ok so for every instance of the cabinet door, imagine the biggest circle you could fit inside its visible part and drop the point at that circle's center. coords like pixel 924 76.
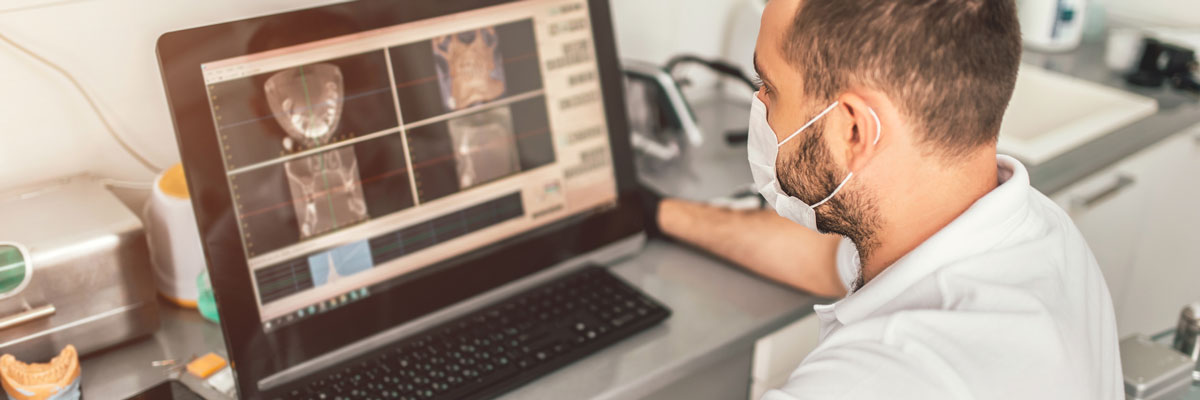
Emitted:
pixel 1108 210
pixel 777 354
pixel 1166 271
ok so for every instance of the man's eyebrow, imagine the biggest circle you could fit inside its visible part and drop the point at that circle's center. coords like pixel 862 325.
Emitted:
pixel 759 71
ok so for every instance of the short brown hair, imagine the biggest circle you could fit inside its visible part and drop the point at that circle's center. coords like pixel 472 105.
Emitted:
pixel 950 65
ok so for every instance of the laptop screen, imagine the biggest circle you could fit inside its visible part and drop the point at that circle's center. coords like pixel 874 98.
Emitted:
pixel 358 166
pixel 357 161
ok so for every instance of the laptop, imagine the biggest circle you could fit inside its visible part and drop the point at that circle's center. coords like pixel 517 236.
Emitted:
pixel 408 199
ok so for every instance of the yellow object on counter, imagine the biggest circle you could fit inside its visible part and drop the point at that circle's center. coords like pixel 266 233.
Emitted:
pixel 204 366
pixel 56 380
pixel 173 182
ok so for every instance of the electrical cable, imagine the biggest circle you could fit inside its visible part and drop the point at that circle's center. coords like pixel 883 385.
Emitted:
pixel 718 66
pixel 132 185
pixel 733 137
pixel 91 102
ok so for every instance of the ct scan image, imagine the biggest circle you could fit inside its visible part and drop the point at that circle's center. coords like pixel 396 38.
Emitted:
pixel 326 191
pixel 325 187
pixel 485 147
pixel 284 112
pixel 470 69
pixel 307 103
pixel 465 69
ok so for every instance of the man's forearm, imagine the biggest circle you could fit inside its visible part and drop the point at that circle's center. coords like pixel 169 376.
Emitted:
pixel 759 240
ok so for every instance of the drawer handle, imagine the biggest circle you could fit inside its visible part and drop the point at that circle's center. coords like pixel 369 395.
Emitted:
pixel 27 316
pixel 1123 181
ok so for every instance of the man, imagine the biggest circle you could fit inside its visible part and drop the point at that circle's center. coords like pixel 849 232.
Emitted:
pixel 964 282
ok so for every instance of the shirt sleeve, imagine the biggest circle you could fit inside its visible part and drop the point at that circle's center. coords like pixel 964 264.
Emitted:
pixel 847 262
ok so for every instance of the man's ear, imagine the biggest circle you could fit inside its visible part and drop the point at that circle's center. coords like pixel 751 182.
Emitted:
pixel 864 137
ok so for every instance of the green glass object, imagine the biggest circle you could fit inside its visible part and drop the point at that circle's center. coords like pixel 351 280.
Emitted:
pixel 13 269
pixel 206 302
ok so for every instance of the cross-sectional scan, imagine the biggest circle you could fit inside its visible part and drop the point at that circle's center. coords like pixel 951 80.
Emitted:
pixel 326 191
pixel 485 147
pixel 470 69
pixel 307 103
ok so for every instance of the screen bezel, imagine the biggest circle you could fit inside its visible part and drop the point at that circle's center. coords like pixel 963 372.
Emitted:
pixel 257 354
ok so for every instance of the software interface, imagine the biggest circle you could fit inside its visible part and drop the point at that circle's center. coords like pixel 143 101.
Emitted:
pixel 357 160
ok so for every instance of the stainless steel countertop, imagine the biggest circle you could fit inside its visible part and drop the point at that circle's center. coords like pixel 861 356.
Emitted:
pixel 1176 112
pixel 125 370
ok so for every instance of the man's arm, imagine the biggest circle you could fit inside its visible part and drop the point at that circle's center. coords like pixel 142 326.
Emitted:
pixel 759 240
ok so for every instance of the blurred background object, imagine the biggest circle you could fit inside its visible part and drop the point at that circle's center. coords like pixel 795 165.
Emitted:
pixel 88 281
pixel 1052 25
pixel 173 240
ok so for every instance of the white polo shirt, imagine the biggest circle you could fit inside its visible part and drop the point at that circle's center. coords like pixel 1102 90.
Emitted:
pixel 1005 302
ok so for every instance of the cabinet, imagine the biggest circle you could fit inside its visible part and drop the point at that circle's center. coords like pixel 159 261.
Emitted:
pixel 1141 220
pixel 1166 268
pixel 1109 209
pixel 777 354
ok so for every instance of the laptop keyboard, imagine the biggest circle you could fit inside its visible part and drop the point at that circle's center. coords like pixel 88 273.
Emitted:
pixel 491 351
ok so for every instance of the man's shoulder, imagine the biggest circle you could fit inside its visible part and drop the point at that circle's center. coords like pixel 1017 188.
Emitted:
pixel 869 369
pixel 944 353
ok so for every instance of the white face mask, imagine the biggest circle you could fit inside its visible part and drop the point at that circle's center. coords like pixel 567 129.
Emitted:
pixel 763 149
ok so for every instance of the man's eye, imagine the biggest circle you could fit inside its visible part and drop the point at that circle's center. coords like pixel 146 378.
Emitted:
pixel 758 83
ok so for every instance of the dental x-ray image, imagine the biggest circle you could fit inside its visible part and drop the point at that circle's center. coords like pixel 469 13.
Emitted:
pixel 282 112
pixel 470 69
pixel 274 209
pixel 307 103
pixel 485 147
pixel 326 191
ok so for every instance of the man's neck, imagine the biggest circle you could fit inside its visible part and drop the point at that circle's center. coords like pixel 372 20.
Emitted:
pixel 939 197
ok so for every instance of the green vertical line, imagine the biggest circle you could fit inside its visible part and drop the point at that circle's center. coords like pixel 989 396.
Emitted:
pixel 328 195
pixel 324 176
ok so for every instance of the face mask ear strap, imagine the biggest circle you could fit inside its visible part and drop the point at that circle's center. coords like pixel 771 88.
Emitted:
pixel 878 126
pixel 810 122
pixel 835 191
pixel 878 134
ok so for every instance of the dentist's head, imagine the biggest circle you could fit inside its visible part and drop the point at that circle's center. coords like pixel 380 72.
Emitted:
pixel 878 119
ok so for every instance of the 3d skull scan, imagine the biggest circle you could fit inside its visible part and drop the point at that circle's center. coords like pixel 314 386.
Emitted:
pixel 485 147
pixel 325 187
pixel 470 69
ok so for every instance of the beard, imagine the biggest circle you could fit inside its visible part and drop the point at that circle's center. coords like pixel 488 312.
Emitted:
pixel 809 174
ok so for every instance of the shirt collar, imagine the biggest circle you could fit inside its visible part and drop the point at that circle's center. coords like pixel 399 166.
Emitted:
pixel 978 229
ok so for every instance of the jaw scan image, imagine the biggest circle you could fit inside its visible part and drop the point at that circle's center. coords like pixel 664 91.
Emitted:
pixel 325 187
pixel 470 68
pixel 485 147
pixel 307 103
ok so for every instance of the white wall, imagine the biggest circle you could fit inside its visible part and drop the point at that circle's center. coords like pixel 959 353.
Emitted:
pixel 1177 13
pixel 46 128
pixel 655 30
pixel 48 131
